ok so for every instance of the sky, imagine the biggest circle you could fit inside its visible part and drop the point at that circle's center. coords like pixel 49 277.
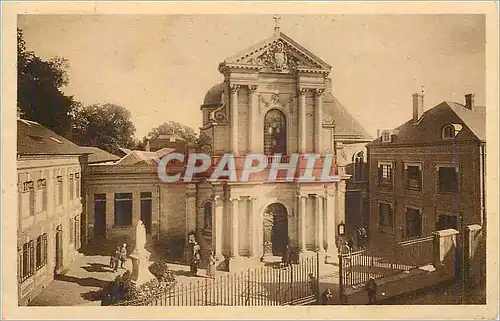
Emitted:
pixel 159 67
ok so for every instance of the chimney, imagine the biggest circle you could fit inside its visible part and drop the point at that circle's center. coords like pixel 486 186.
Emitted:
pixel 418 106
pixel 469 101
pixel 146 148
pixel 378 133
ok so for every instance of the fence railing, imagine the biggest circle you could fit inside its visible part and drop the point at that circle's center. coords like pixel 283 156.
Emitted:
pixel 357 267
pixel 294 284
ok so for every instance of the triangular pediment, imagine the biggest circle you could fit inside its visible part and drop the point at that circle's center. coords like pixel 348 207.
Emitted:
pixel 279 53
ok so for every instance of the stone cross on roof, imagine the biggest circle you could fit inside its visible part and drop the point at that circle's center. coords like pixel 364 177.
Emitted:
pixel 277 19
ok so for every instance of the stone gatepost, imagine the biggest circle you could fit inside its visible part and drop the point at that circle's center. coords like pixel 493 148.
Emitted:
pixel 473 259
pixel 445 246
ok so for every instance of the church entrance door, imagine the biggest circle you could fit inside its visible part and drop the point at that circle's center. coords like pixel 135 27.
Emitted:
pixel 275 229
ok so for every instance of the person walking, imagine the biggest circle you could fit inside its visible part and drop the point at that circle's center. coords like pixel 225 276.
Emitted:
pixel 123 255
pixel 116 258
pixel 371 289
pixel 196 259
pixel 211 265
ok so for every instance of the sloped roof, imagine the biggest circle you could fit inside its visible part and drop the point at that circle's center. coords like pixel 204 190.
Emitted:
pixel 346 126
pixel 137 157
pixel 429 127
pixel 98 155
pixel 35 139
pixel 474 119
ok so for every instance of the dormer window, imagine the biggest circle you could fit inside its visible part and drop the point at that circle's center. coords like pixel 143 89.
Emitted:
pixel 450 131
pixel 386 136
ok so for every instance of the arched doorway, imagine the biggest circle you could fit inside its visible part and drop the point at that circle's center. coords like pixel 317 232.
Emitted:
pixel 275 132
pixel 275 229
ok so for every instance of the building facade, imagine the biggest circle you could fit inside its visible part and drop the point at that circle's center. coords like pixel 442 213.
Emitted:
pixel 428 174
pixel 275 98
pixel 50 170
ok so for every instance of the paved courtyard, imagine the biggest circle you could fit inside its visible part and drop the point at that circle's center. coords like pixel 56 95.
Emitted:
pixel 90 272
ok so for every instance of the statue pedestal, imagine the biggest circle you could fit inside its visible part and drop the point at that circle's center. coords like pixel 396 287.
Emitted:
pixel 140 267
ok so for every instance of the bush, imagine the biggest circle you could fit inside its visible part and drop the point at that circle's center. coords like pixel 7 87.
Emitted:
pixel 161 271
pixel 122 289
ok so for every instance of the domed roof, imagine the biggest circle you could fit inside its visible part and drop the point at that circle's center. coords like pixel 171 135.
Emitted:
pixel 214 95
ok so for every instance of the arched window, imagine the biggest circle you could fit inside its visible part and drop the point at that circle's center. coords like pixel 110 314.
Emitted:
pixel 207 218
pixel 359 161
pixel 448 132
pixel 275 132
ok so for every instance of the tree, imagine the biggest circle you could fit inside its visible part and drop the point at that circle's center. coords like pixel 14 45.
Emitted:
pixel 39 83
pixel 170 128
pixel 105 126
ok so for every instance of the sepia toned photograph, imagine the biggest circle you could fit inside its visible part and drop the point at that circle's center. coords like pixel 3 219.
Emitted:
pixel 251 160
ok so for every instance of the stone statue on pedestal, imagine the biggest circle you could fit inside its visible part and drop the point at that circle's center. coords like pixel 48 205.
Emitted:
pixel 140 257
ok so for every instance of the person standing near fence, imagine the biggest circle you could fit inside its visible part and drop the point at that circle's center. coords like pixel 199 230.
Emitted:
pixel 195 261
pixel 211 265
pixel 371 289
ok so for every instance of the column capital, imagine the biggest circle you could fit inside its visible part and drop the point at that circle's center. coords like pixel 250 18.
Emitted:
pixel 319 92
pixel 300 196
pixel 302 91
pixel 234 198
pixel 234 88
pixel 253 88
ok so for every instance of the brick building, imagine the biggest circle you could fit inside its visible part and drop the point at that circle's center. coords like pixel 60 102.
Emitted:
pixel 50 170
pixel 428 174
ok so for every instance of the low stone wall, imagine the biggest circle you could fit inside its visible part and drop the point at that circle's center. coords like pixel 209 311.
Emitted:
pixel 442 270
pixel 398 284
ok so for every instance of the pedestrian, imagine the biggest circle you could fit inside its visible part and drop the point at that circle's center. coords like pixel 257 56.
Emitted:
pixel 196 259
pixel 116 258
pixel 123 255
pixel 371 289
pixel 211 268
pixel 286 256
pixel 326 297
pixel 313 285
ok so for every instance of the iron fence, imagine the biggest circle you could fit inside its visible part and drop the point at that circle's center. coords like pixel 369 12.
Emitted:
pixel 357 267
pixel 279 284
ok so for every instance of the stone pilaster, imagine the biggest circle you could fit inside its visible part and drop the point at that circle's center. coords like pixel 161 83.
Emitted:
pixel 235 233
pixel 110 211
pixel 318 121
pixel 302 221
pixel 136 207
pixel 217 223
pixel 190 210
pixel 331 226
pixel 252 119
pixel 319 223
pixel 302 120
pixel 234 118
pixel 340 206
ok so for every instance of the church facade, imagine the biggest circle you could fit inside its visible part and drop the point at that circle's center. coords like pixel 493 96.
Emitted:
pixel 275 99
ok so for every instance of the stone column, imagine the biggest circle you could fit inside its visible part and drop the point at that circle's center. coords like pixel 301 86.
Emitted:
pixel 110 211
pixel 217 224
pixel 331 226
pixel 254 227
pixel 252 118
pixel 136 207
pixel 319 223
pixel 302 120
pixel 234 118
pixel 302 219
pixel 318 122
pixel 190 210
pixel 235 244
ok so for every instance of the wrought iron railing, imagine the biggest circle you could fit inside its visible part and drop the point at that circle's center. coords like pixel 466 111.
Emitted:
pixel 280 284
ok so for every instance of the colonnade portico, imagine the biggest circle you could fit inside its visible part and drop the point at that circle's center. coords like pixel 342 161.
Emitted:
pixel 321 207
